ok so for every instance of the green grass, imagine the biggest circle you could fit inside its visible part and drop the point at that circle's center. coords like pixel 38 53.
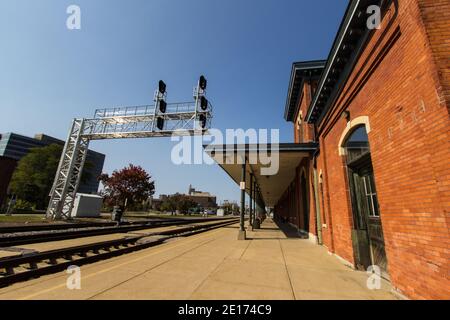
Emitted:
pixel 22 218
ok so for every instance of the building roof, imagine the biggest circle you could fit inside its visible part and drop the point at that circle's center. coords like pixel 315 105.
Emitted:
pixel 200 194
pixel 350 41
pixel 271 187
pixel 15 146
pixel 299 73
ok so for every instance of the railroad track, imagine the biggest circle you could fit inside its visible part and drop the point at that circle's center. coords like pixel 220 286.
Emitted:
pixel 34 265
pixel 46 235
pixel 83 224
pixel 50 226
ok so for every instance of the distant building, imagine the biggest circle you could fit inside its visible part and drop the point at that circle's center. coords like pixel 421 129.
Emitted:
pixel 204 199
pixel 14 147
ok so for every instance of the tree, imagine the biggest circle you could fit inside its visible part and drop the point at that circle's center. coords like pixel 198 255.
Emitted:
pixel 230 207
pixel 132 184
pixel 184 203
pixel 178 202
pixel 168 205
pixel 33 178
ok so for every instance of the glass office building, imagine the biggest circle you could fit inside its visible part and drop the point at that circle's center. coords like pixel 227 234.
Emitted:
pixel 14 147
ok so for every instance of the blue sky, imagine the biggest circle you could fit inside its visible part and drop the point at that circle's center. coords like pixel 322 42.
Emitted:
pixel 49 74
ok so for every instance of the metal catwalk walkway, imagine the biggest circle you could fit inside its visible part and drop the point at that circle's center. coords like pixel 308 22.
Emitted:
pixel 213 265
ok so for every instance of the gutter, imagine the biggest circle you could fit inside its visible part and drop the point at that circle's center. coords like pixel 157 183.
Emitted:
pixel 296 66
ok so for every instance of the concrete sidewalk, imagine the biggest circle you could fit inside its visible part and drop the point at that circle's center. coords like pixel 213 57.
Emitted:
pixel 213 265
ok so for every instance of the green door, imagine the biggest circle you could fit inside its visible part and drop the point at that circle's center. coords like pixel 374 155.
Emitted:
pixel 367 233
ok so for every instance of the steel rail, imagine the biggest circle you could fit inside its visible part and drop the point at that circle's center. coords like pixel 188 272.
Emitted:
pixel 46 227
pixel 43 263
pixel 15 240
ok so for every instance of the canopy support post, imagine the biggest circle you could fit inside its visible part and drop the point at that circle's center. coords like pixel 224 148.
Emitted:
pixel 242 234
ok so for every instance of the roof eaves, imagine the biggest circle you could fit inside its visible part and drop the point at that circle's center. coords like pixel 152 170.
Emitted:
pixel 293 95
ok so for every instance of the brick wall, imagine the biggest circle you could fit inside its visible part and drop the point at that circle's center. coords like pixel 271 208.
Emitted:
pixel 436 18
pixel 304 132
pixel 399 83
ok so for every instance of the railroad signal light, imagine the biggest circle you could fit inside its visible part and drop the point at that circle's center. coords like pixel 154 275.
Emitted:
pixel 162 106
pixel 203 103
pixel 202 119
pixel 203 82
pixel 160 97
pixel 160 123
pixel 162 87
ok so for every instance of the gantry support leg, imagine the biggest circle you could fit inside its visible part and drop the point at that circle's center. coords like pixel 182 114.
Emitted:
pixel 69 173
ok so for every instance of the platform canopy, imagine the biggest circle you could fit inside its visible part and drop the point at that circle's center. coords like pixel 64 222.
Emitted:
pixel 271 186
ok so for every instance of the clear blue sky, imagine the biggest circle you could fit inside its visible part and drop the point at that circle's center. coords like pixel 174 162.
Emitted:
pixel 49 74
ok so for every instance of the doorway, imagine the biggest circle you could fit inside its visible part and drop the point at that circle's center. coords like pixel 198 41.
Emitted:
pixel 367 233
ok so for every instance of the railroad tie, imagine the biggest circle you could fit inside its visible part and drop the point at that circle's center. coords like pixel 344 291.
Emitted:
pixel 9 271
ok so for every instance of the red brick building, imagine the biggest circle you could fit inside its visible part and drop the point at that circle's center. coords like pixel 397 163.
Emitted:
pixel 377 190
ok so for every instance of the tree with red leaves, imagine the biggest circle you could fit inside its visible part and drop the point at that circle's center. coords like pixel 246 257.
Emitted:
pixel 132 185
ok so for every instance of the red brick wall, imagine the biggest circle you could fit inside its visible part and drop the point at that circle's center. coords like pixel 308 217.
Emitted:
pixel 436 18
pixel 306 132
pixel 337 233
pixel 396 83
pixel 7 167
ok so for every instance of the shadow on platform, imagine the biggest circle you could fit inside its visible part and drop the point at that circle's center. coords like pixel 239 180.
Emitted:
pixel 289 231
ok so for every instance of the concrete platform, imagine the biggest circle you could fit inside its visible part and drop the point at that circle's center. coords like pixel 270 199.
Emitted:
pixel 213 265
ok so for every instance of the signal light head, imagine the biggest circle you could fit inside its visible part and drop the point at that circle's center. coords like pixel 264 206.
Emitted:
pixel 160 123
pixel 162 106
pixel 162 87
pixel 202 119
pixel 203 103
pixel 203 82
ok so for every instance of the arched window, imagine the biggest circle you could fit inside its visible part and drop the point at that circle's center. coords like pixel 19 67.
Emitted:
pixel 357 144
pixel 358 151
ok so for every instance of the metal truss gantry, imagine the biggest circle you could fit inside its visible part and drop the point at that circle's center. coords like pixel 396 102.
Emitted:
pixel 119 123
